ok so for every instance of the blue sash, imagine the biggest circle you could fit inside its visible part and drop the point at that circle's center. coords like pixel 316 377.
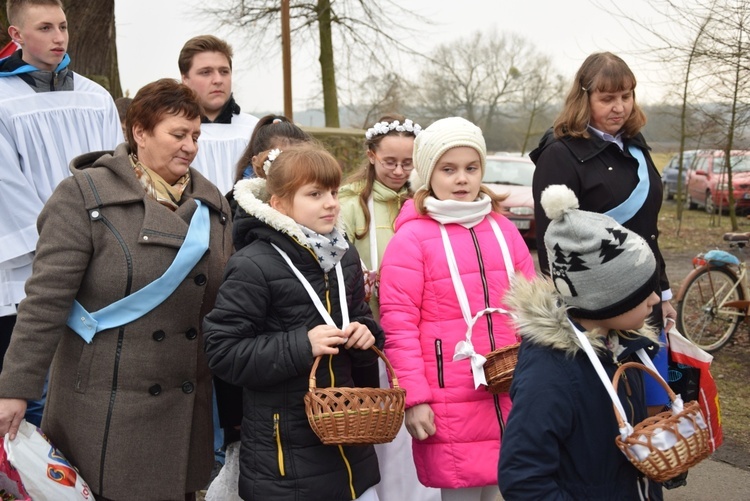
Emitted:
pixel 139 303
pixel 626 210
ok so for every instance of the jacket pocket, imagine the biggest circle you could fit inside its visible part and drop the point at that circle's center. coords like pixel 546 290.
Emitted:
pixel 84 368
pixel 439 358
pixel 279 448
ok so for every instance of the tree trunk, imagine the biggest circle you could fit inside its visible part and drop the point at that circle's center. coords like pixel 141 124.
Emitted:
pixel 4 37
pixel 327 68
pixel 93 42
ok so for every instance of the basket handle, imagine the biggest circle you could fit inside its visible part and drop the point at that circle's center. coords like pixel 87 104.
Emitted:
pixel 635 365
pixel 312 382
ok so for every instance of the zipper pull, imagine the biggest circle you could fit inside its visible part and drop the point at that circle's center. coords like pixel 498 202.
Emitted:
pixel 275 425
pixel 628 390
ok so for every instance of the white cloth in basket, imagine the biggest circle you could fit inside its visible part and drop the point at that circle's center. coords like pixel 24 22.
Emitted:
pixel 664 440
pixel 226 484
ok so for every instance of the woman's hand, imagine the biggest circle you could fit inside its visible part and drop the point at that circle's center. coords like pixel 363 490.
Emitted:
pixel 12 411
pixel 324 340
pixel 420 421
pixel 359 336
pixel 669 315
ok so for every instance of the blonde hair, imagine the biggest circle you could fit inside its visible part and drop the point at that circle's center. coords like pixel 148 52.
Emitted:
pixel 603 72
pixel 15 8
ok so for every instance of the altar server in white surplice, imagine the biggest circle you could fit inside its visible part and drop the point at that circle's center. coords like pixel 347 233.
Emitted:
pixel 205 64
pixel 48 116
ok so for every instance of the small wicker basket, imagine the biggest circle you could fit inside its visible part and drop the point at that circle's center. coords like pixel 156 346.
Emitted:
pixel 499 368
pixel 355 416
pixel 662 465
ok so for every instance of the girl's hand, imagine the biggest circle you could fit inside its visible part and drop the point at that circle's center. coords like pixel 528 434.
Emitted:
pixel 420 421
pixel 669 314
pixel 324 339
pixel 359 336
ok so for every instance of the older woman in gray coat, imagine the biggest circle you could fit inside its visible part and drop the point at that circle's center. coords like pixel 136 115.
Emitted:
pixel 130 407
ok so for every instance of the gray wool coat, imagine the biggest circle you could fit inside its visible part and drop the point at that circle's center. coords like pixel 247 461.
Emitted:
pixel 131 410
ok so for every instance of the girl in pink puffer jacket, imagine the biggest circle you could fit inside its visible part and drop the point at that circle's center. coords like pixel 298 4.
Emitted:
pixel 452 256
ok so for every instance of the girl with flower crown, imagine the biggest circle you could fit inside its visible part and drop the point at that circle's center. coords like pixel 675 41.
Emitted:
pixel 370 203
pixel 445 271
pixel 292 291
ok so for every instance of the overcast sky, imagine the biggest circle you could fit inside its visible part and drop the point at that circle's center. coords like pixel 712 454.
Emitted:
pixel 150 34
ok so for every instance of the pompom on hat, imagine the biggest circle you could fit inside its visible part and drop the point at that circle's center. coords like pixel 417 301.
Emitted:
pixel 600 268
pixel 438 138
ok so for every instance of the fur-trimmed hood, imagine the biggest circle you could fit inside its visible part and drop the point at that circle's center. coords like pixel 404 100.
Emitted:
pixel 252 197
pixel 542 321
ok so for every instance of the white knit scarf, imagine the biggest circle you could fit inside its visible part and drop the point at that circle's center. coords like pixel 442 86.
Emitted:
pixel 467 214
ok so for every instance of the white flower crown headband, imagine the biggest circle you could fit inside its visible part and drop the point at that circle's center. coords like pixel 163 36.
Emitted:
pixel 385 127
pixel 271 157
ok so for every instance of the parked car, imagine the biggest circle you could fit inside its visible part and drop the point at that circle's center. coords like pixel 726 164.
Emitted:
pixel 512 176
pixel 707 182
pixel 670 174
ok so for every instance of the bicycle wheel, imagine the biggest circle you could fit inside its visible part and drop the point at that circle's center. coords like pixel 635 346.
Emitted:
pixel 702 315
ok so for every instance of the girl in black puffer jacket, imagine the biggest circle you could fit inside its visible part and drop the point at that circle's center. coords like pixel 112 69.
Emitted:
pixel 265 330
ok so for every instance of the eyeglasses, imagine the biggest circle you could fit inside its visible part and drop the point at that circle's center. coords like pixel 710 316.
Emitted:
pixel 391 164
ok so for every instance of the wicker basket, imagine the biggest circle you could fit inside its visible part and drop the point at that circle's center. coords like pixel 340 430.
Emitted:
pixel 661 465
pixel 499 368
pixel 355 416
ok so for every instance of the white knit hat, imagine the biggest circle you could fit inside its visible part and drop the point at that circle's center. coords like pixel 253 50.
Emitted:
pixel 438 138
pixel 600 268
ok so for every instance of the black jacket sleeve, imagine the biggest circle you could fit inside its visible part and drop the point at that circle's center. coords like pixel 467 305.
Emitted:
pixel 239 351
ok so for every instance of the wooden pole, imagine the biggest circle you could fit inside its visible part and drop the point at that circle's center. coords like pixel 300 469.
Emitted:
pixel 286 56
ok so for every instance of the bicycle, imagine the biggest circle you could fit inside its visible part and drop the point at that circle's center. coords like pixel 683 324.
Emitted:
pixel 713 298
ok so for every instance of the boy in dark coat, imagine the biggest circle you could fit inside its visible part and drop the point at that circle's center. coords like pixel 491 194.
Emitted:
pixel 559 442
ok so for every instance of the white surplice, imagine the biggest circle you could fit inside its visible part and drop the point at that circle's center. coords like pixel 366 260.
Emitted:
pixel 40 133
pixel 220 147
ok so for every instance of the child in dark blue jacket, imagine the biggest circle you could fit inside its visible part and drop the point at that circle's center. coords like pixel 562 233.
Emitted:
pixel 559 442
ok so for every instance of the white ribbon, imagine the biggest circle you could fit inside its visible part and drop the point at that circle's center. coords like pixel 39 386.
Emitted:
pixel 314 296
pixel 465 349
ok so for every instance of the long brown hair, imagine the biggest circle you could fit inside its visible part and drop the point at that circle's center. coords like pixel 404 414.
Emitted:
pixel 605 72
pixel 366 171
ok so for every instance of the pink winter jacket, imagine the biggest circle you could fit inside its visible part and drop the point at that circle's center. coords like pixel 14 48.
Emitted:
pixel 423 323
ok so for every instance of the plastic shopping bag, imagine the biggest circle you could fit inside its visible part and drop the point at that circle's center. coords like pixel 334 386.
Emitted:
pixel 45 473
pixel 689 376
pixel 11 487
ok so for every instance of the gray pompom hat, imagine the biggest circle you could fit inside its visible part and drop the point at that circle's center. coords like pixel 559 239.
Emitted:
pixel 600 268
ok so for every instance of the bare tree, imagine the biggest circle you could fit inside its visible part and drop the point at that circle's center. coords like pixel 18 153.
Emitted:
pixel 484 76
pixel 4 37
pixel 729 46
pixel 543 87
pixel 366 26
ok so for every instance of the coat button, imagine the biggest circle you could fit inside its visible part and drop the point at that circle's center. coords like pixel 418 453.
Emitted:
pixel 155 390
pixel 653 237
pixel 187 387
pixel 200 279
pixel 158 335
pixel 191 334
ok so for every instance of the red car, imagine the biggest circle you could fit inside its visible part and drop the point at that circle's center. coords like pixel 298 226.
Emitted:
pixel 512 176
pixel 707 181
